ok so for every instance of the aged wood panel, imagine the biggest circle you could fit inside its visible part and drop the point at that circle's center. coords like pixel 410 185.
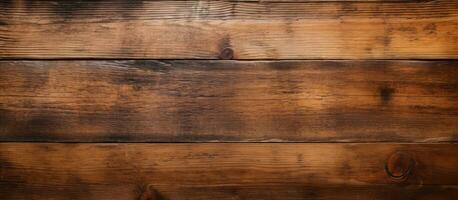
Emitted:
pixel 191 101
pixel 326 1
pixel 206 29
pixel 228 171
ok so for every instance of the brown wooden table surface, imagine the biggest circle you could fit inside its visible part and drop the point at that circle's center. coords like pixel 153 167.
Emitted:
pixel 250 99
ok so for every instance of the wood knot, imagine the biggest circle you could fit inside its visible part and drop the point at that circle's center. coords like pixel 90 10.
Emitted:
pixel 149 193
pixel 399 166
pixel 226 54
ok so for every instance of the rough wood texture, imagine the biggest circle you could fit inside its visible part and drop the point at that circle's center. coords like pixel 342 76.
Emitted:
pixel 253 30
pixel 176 101
pixel 225 171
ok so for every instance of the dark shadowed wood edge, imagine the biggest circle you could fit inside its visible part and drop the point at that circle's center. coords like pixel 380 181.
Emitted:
pixel 229 101
pixel 227 171
pixel 251 30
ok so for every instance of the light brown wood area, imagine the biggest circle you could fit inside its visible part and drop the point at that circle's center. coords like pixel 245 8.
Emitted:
pixel 252 30
pixel 176 101
pixel 228 171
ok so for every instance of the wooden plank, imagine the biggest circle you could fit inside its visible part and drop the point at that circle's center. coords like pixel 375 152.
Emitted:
pixel 327 1
pixel 308 1
pixel 228 171
pixel 206 29
pixel 193 101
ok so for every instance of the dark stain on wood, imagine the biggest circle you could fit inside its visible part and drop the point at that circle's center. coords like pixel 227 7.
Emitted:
pixel 430 28
pixel 286 66
pixel 386 94
pixel 191 101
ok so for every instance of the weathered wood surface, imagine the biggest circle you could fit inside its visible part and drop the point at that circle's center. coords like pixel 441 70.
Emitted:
pixel 118 171
pixel 253 30
pixel 228 171
pixel 191 101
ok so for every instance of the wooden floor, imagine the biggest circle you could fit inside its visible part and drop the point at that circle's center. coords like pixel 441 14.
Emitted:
pixel 247 99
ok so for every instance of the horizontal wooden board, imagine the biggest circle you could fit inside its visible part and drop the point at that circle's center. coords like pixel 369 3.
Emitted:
pixel 308 1
pixel 242 101
pixel 207 29
pixel 227 171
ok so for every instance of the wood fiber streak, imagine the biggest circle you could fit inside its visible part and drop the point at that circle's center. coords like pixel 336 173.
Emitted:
pixel 253 30
pixel 223 171
pixel 243 101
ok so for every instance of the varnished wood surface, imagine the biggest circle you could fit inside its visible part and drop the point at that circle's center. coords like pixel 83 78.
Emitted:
pixel 253 30
pixel 227 171
pixel 192 101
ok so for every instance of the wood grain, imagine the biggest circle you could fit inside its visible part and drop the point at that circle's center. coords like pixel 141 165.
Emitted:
pixel 224 171
pixel 242 101
pixel 253 30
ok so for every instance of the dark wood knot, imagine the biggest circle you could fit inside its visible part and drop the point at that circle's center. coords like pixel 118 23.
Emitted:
pixel 149 193
pixel 226 54
pixel 399 166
